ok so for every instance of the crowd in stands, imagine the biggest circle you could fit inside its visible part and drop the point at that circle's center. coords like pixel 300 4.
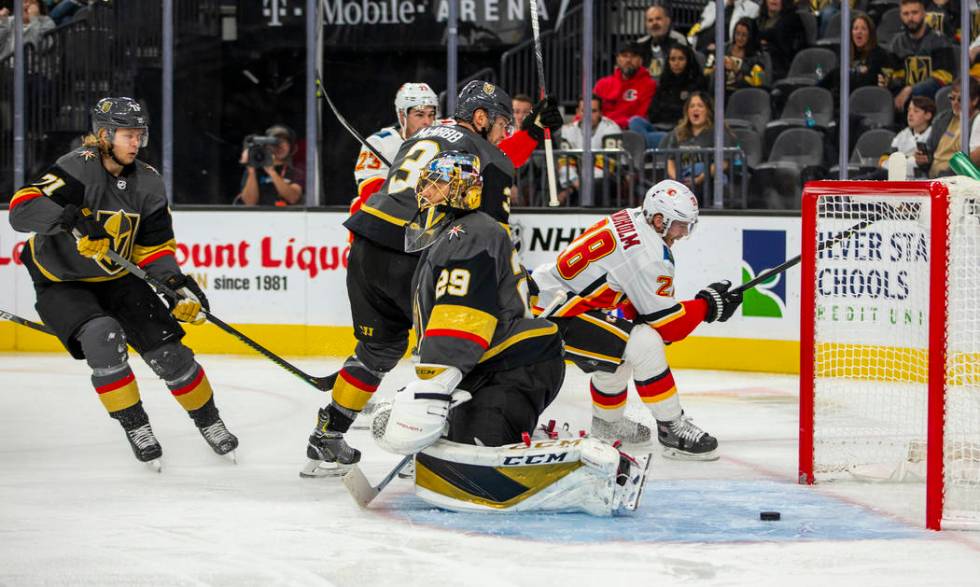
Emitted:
pixel 39 17
pixel 903 95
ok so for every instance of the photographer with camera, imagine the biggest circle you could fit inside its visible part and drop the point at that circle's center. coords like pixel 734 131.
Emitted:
pixel 270 179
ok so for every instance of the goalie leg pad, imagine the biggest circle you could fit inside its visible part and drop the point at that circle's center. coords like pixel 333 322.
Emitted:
pixel 567 475
pixel 646 355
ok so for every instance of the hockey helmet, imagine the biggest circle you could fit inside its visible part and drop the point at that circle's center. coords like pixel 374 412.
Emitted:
pixel 483 95
pixel 112 113
pixel 450 182
pixel 414 95
pixel 674 201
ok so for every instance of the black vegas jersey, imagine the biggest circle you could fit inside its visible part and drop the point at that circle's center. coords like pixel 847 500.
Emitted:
pixel 383 217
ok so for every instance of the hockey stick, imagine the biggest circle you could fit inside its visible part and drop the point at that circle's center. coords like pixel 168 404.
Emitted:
pixel 321 92
pixel 320 383
pixel 549 153
pixel 25 322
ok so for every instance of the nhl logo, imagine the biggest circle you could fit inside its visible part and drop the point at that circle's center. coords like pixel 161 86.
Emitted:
pixel 121 184
pixel 488 89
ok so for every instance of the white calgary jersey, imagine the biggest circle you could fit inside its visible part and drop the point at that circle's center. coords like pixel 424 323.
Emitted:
pixel 387 141
pixel 619 258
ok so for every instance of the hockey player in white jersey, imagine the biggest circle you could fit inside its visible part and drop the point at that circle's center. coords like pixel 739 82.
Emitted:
pixel 476 333
pixel 624 262
pixel 417 107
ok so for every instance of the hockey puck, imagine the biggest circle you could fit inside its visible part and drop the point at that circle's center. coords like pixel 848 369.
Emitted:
pixel 768 516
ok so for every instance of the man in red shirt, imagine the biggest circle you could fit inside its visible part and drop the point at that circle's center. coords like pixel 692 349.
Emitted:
pixel 629 90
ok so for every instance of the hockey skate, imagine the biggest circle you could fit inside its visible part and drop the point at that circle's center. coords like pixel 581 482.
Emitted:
pixel 145 446
pixel 220 440
pixel 625 430
pixel 329 453
pixel 683 440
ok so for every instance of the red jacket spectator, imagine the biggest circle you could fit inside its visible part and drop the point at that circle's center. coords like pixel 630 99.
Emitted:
pixel 628 91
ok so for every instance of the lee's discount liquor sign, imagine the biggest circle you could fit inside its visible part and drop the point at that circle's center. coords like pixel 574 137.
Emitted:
pixel 391 24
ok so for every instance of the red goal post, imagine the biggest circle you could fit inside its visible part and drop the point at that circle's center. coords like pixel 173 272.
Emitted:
pixel 890 339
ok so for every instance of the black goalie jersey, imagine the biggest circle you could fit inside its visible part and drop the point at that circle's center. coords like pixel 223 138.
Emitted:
pixel 137 197
pixel 383 217
pixel 470 303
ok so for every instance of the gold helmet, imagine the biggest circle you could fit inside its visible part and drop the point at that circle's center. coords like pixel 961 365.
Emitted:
pixel 451 181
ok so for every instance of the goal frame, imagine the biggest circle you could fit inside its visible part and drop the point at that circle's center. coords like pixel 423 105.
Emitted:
pixel 938 194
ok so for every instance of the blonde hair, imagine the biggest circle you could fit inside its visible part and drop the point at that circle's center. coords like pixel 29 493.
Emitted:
pixel 94 140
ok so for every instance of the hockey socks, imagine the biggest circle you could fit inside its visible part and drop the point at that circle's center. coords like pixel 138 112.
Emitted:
pixel 117 388
pixel 355 385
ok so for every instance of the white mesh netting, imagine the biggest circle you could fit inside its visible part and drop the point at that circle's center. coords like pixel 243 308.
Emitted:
pixel 871 342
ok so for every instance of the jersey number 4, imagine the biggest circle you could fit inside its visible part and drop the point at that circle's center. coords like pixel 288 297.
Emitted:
pixel 588 248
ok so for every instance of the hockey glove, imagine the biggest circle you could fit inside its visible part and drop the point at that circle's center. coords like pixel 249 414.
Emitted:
pixel 544 115
pixel 187 308
pixel 92 238
pixel 419 414
pixel 722 303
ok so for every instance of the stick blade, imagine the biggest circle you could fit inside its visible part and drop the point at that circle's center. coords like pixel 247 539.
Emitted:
pixel 359 487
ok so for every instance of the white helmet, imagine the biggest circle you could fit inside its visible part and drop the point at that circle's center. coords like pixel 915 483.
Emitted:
pixel 413 95
pixel 674 201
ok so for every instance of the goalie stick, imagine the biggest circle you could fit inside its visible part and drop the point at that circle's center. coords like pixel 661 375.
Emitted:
pixel 357 483
pixel 549 153
pixel 25 322
pixel 321 92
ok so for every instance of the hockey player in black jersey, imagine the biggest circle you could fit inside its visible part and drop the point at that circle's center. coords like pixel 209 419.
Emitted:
pixel 476 333
pixel 379 270
pixel 97 197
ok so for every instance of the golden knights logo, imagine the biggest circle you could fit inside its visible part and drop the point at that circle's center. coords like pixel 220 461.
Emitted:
pixel 917 69
pixel 935 20
pixel 488 89
pixel 122 227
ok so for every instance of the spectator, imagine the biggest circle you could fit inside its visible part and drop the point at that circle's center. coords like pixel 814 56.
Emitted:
pixel 745 65
pixel 522 104
pixel 924 58
pixel 702 34
pixel 944 16
pixel 682 78
pixel 921 111
pixel 279 184
pixel 628 91
pixel 869 61
pixel 660 35
pixel 35 25
pixel 64 10
pixel 781 33
pixel 694 132
pixel 571 138
pixel 944 140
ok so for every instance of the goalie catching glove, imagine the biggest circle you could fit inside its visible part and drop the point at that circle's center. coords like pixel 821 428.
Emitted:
pixel 92 238
pixel 187 307
pixel 722 303
pixel 419 414
pixel 544 115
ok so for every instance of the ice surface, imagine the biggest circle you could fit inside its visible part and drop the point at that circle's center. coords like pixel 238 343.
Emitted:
pixel 76 507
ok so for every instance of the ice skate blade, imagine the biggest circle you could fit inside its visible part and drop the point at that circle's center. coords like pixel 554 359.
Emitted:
pixel 231 456
pixel 407 472
pixel 318 469
pixel 155 465
pixel 680 455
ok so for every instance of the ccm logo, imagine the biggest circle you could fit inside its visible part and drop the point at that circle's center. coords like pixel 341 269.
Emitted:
pixel 539 459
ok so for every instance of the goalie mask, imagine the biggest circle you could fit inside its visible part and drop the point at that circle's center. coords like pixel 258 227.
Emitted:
pixel 413 95
pixel 674 201
pixel 122 112
pixel 449 184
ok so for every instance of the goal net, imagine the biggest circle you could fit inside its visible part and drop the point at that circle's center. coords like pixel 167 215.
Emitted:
pixel 890 339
